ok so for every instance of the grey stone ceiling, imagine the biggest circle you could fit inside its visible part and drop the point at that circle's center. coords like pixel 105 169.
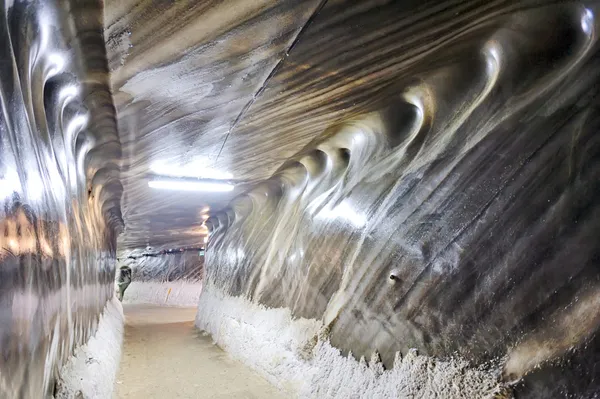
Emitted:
pixel 184 76
pixel 238 87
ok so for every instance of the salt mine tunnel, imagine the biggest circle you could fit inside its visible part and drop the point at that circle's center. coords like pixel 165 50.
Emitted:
pixel 300 199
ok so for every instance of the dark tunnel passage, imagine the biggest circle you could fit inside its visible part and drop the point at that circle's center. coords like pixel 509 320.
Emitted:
pixel 312 199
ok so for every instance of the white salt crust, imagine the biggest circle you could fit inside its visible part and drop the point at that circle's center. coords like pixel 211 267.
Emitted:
pixel 177 293
pixel 296 356
pixel 92 371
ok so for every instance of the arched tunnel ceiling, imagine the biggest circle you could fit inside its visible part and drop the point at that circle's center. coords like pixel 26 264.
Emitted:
pixel 240 86
pixel 184 76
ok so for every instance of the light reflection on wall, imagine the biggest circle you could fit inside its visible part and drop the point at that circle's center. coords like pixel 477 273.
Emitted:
pixel 59 190
pixel 444 221
pixel 345 212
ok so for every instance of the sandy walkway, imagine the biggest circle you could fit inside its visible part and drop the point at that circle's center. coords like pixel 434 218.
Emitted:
pixel 164 357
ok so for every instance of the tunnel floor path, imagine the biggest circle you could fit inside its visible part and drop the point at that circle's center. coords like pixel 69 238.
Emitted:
pixel 164 356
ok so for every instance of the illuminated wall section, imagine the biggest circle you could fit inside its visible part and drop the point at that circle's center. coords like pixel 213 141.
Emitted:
pixel 460 220
pixel 59 188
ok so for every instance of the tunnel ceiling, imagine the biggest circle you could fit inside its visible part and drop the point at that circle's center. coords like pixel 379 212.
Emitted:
pixel 187 77
pixel 240 86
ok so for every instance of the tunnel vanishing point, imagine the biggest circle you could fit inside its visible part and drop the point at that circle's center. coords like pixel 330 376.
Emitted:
pixel 362 198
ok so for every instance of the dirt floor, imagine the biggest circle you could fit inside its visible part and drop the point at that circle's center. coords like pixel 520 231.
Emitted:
pixel 165 357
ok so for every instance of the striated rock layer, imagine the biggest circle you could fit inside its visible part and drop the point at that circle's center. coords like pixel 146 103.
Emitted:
pixel 171 279
pixel 159 267
pixel 459 217
pixel 59 188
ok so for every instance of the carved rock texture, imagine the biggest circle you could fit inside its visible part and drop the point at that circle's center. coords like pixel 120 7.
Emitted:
pixel 412 174
pixel 59 188
pixel 460 215
pixel 180 265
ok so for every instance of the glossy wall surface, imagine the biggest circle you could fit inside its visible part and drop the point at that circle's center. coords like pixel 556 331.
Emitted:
pixel 180 265
pixel 460 216
pixel 59 188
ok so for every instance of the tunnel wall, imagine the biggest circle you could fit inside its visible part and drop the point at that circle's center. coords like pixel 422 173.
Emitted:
pixel 460 220
pixel 59 189
pixel 173 278
pixel 163 267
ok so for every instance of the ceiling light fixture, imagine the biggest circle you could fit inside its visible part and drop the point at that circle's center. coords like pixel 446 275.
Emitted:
pixel 186 185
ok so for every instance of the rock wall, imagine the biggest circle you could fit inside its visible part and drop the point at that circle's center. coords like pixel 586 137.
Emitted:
pixel 161 267
pixel 166 278
pixel 460 219
pixel 59 188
